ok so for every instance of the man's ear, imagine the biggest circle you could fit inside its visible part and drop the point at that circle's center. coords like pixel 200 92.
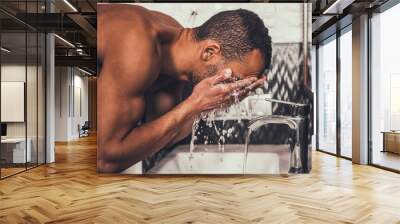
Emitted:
pixel 210 50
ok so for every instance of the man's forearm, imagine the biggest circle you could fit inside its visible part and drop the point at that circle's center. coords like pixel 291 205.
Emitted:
pixel 184 131
pixel 150 137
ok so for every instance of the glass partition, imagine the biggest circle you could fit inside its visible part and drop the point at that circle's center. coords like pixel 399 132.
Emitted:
pixel 41 109
pixel 22 88
pixel 15 150
pixel 35 89
pixel 31 100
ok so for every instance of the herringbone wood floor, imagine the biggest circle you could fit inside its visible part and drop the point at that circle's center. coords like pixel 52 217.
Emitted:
pixel 70 191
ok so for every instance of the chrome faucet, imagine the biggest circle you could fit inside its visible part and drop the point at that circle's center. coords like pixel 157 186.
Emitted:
pixel 298 150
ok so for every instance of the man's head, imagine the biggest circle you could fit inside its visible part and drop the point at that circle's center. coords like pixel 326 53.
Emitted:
pixel 236 39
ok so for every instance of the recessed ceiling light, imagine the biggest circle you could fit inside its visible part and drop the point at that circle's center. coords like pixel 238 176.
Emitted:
pixel 84 71
pixel 70 5
pixel 337 7
pixel 5 50
pixel 65 41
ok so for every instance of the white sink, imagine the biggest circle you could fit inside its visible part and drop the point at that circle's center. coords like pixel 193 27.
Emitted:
pixel 208 159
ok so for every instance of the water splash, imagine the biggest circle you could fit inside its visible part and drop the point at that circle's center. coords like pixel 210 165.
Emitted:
pixel 195 126
pixel 209 117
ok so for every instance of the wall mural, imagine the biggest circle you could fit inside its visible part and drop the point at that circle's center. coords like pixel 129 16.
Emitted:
pixel 162 106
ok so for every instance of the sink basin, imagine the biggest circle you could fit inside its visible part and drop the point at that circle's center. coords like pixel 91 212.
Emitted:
pixel 208 159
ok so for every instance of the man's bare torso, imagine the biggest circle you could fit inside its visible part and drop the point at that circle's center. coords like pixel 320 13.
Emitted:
pixel 145 33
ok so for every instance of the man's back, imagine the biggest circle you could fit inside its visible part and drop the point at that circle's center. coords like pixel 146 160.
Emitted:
pixel 135 36
pixel 130 44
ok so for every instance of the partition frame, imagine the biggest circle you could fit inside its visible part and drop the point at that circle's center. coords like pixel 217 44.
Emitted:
pixel 44 86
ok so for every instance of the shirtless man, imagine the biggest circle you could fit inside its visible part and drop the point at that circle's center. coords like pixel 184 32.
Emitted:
pixel 147 56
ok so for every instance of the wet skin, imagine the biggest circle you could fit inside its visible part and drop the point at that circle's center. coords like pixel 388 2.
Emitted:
pixel 147 57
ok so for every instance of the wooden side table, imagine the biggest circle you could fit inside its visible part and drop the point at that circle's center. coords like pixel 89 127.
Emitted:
pixel 391 141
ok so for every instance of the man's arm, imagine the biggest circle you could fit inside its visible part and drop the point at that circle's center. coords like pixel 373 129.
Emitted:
pixel 128 69
pixel 121 147
pixel 186 128
pixel 120 152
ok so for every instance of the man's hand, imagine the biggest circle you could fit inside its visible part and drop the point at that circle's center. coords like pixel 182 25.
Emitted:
pixel 215 91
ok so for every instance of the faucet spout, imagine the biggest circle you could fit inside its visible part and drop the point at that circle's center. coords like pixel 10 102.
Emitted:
pixel 297 144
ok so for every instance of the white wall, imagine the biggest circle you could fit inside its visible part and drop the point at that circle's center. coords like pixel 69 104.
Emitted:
pixel 61 103
pixel 33 127
pixel 71 93
pixel 12 73
pixel 80 103
pixel 284 27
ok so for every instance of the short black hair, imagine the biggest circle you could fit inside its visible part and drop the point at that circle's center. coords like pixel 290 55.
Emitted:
pixel 238 32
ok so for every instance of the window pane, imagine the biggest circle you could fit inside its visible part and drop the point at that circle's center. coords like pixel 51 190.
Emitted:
pixel 385 114
pixel 327 97
pixel 346 94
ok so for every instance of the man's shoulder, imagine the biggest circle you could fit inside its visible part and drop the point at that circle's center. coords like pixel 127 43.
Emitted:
pixel 124 31
pixel 123 18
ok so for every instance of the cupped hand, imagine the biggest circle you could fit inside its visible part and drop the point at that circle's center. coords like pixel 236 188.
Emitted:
pixel 220 90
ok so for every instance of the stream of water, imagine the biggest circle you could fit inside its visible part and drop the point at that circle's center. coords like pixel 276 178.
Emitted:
pixel 209 117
